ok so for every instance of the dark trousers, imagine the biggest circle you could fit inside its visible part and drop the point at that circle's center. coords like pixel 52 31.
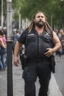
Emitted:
pixel 30 74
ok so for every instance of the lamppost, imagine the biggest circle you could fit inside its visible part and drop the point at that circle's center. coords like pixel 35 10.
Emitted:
pixel 9 49
pixel 19 19
pixel 2 13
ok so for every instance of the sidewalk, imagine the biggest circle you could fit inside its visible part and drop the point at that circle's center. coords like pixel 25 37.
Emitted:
pixel 53 87
pixel 18 84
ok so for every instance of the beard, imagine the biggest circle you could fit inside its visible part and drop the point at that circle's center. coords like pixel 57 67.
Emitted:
pixel 39 24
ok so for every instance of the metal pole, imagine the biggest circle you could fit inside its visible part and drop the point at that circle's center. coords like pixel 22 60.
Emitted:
pixel 2 13
pixel 9 49
pixel 19 19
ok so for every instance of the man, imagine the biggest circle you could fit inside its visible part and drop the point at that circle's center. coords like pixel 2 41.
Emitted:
pixel 40 42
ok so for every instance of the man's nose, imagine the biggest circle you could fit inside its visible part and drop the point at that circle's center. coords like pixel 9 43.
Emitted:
pixel 40 18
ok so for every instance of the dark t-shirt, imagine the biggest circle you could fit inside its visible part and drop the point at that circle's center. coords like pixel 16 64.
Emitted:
pixel 35 45
pixel 22 38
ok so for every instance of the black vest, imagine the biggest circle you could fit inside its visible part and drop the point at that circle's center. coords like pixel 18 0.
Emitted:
pixel 36 44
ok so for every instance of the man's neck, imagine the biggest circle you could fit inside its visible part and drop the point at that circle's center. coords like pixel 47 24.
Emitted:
pixel 39 30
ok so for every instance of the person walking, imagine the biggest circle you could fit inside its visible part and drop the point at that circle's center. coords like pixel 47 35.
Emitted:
pixel 2 50
pixel 40 43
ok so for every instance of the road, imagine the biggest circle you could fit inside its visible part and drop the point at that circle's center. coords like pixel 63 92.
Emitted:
pixel 59 75
pixel 56 87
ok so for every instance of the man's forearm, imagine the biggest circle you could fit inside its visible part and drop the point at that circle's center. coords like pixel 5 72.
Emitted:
pixel 57 47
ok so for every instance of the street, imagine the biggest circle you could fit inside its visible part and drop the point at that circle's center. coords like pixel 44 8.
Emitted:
pixel 56 87
pixel 59 75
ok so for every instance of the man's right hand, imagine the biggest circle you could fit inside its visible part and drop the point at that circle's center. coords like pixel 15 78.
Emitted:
pixel 16 61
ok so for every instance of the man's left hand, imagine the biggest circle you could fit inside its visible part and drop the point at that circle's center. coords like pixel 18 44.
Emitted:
pixel 49 52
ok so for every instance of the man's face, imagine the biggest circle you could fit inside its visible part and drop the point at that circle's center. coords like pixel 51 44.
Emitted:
pixel 39 20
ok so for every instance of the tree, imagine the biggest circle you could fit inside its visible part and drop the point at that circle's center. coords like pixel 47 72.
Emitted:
pixel 53 9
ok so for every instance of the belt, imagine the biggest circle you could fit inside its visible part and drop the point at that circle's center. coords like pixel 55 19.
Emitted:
pixel 35 60
pixel 38 60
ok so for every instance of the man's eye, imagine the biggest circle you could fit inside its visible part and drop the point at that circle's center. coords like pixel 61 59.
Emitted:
pixel 39 16
pixel 42 17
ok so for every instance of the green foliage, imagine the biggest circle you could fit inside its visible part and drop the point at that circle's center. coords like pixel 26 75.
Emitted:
pixel 27 8
pixel 54 8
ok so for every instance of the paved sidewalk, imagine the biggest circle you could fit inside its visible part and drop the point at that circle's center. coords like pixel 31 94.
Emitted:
pixel 53 87
pixel 18 84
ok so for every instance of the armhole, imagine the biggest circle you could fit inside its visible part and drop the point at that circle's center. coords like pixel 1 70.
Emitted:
pixel 51 33
pixel 26 37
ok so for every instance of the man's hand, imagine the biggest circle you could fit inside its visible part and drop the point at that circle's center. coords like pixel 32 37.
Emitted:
pixel 16 61
pixel 49 52
pixel 16 51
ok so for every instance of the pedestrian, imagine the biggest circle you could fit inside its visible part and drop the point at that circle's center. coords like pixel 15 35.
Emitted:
pixel 2 50
pixel 40 44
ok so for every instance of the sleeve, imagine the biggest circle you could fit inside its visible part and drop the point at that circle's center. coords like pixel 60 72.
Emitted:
pixel 22 37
